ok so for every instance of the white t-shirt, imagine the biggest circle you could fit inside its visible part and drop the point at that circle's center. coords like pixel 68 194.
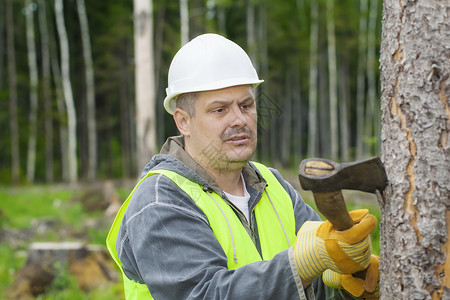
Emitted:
pixel 241 202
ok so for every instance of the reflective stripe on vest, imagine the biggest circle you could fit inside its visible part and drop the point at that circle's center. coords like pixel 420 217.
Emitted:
pixel 274 216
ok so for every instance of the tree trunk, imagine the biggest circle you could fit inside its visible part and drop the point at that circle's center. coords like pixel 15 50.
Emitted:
pixel 32 66
pixel 13 118
pixel 184 21
pixel 90 91
pixel 59 95
pixel 360 80
pixel 221 19
pixel 160 80
pixel 67 89
pixel 46 91
pixel 145 82
pixel 251 36
pixel 262 68
pixel 298 113
pixel 371 118
pixel 313 70
pixel 332 82
pixel 323 109
pixel 286 120
pixel 46 261
pixel 2 43
pixel 344 112
pixel 415 224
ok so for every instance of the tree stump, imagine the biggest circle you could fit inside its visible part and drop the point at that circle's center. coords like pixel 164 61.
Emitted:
pixel 90 264
pixel 101 196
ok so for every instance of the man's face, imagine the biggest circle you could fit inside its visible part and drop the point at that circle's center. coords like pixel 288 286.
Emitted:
pixel 222 134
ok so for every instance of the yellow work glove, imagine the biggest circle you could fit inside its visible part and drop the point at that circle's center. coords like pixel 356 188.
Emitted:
pixel 367 288
pixel 319 246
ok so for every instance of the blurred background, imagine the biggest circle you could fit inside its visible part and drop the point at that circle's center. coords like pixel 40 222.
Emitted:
pixel 69 151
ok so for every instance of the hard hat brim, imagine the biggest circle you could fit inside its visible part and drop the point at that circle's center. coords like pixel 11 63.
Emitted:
pixel 170 100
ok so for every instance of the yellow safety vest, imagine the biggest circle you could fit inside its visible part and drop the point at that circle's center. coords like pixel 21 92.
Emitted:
pixel 274 217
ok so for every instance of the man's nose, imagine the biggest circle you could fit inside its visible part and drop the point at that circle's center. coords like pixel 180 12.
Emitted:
pixel 238 119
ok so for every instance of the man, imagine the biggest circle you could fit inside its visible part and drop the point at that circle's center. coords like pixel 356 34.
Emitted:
pixel 204 222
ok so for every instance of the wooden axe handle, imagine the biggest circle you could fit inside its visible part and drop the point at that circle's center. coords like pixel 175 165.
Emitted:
pixel 332 206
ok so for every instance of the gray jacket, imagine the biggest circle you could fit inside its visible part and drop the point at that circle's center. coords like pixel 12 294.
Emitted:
pixel 165 240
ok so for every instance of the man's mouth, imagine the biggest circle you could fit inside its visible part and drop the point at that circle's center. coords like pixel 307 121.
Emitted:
pixel 239 138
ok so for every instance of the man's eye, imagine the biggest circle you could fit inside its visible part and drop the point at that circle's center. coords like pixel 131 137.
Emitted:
pixel 218 110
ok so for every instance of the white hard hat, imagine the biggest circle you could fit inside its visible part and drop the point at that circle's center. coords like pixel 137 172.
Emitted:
pixel 208 62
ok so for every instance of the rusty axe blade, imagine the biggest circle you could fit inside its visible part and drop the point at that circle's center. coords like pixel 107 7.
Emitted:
pixel 323 175
pixel 326 179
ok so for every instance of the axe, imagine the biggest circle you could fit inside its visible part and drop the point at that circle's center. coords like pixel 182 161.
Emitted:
pixel 326 179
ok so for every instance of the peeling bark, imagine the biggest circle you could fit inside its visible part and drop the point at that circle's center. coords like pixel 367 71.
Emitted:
pixel 415 225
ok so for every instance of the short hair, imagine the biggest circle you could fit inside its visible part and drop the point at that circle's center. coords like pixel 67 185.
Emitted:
pixel 186 102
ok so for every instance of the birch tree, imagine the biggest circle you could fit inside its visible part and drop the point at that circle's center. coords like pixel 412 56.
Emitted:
pixel 12 83
pixel 344 114
pixel 145 82
pixel 2 43
pixel 371 127
pixel 90 91
pixel 361 80
pixel 30 7
pixel 67 90
pixel 332 82
pixel 415 224
pixel 46 91
pixel 313 72
pixel 251 36
pixel 184 21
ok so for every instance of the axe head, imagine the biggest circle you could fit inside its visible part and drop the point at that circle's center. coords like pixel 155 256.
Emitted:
pixel 323 175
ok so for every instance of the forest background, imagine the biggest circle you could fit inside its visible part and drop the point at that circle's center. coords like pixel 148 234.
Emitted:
pixel 68 102
pixel 319 60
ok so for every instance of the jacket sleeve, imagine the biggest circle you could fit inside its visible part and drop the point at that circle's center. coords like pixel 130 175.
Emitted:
pixel 165 241
pixel 303 212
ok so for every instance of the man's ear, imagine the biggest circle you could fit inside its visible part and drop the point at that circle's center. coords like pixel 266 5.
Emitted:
pixel 182 120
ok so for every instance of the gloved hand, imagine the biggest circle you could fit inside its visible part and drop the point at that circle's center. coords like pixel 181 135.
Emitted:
pixel 367 289
pixel 319 246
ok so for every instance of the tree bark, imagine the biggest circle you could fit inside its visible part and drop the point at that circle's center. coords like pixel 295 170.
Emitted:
pixel 2 43
pixel 90 91
pixel 184 21
pixel 415 224
pixel 46 91
pixel 251 36
pixel 33 73
pixel 313 71
pixel 371 118
pixel 344 112
pixel 332 82
pixel 59 95
pixel 145 82
pixel 12 77
pixel 286 120
pixel 360 80
pixel 67 89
